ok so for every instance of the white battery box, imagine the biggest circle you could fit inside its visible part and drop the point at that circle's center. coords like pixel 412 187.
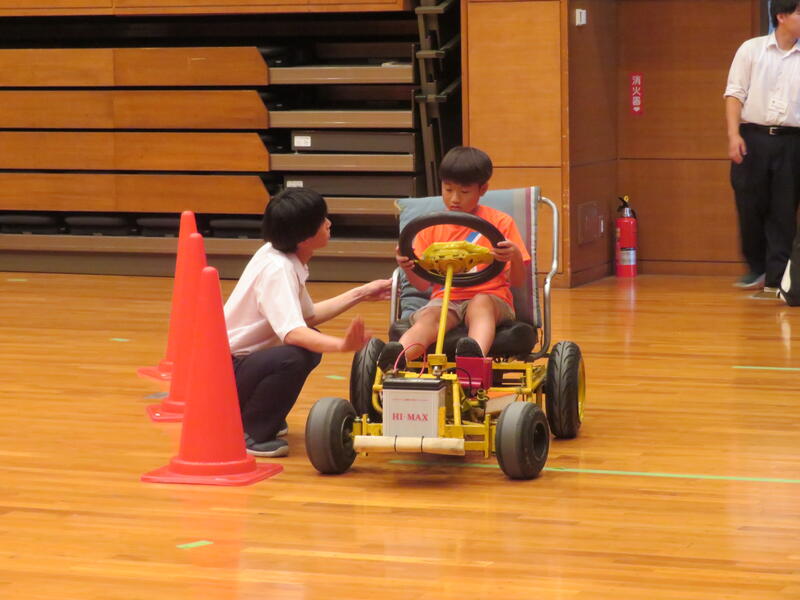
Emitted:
pixel 411 406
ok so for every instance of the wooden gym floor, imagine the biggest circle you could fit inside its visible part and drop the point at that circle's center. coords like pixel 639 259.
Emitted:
pixel 684 483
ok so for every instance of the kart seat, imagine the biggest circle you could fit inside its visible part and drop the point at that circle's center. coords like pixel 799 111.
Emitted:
pixel 513 338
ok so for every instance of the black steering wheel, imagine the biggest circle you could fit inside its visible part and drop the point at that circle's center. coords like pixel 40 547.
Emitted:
pixel 406 244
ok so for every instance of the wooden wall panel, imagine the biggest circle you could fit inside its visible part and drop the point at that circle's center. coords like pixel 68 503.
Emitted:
pixel 593 83
pixel 133 151
pixel 35 6
pixel 39 109
pixel 593 201
pixel 229 7
pixel 57 191
pixel 684 49
pixel 549 179
pixel 56 150
pixel 177 67
pixel 514 73
pixel 359 5
pixel 235 194
pixel 196 109
pixel 19 8
pixel 99 67
pixel 673 156
pixel 132 193
pixel 92 67
pixel 190 152
pixel 685 207
pixel 114 109
pixel 292 5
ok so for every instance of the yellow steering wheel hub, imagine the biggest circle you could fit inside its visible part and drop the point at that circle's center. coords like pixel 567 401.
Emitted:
pixel 461 256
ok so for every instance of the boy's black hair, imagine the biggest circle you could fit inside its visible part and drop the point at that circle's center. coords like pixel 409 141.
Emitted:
pixel 292 216
pixel 465 165
pixel 780 7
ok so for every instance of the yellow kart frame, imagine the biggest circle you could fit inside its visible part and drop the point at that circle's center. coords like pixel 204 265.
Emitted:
pixel 466 422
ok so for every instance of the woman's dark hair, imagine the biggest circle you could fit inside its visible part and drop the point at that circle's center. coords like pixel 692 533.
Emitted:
pixel 465 165
pixel 292 216
pixel 780 7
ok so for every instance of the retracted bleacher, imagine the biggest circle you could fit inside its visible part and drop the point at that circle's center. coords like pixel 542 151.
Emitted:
pixel 145 127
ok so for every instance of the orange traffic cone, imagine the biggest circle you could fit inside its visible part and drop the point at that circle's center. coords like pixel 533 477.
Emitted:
pixel 194 260
pixel 212 449
pixel 163 371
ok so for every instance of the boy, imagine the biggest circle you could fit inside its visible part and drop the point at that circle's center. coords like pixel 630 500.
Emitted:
pixel 762 109
pixel 465 174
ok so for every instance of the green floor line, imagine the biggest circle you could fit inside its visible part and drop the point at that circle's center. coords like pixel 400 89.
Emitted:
pixel 767 368
pixel 606 472
pixel 196 544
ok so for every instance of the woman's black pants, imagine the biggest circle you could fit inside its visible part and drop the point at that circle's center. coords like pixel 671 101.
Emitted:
pixel 268 383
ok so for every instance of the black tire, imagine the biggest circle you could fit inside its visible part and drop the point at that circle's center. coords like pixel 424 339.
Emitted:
pixel 522 440
pixel 406 245
pixel 565 389
pixel 362 376
pixel 329 440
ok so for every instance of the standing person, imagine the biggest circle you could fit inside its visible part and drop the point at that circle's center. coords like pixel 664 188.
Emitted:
pixel 271 318
pixel 762 109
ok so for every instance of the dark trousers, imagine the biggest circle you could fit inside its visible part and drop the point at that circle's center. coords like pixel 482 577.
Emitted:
pixel 767 190
pixel 268 382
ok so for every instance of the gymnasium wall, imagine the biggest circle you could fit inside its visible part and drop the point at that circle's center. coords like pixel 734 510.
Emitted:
pixel 592 137
pixel 513 68
pixel 173 7
pixel 548 100
pixel 673 156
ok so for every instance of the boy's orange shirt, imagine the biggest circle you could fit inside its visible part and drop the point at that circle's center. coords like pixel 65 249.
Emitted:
pixel 500 285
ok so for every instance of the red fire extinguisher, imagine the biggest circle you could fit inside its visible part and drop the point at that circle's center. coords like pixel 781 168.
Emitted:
pixel 626 240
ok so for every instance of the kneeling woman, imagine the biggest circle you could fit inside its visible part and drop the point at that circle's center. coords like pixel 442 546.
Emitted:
pixel 270 318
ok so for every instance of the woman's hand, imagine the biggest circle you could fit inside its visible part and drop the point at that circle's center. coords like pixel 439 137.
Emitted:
pixel 380 289
pixel 355 337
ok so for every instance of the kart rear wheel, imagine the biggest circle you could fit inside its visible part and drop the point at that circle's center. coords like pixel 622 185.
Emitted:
pixel 522 440
pixel 329 435
pixel 362 376
pixel 565 389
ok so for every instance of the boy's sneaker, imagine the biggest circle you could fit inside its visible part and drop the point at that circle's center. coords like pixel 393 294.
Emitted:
pixel 284 430
pixel 388 357
pixel 750 281
pixel 466 346
pixel 270 449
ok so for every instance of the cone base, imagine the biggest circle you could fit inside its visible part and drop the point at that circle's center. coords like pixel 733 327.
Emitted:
pixel 167 475
pixel 157 413
pixel 154 373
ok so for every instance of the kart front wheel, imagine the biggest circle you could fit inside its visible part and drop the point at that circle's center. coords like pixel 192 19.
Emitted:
pixel 329 435
pixel 522 440
pixel 362 377
pixel 565 389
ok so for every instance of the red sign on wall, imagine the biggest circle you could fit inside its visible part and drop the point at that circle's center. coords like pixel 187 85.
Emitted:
pixel 637 94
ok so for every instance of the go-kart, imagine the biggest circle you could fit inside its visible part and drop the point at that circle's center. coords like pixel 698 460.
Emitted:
pixel 441 404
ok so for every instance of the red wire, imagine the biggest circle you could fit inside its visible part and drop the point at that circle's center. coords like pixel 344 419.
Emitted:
pixel 399 356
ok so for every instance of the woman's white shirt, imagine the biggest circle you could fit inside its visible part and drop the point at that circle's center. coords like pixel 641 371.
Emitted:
pixel 268 302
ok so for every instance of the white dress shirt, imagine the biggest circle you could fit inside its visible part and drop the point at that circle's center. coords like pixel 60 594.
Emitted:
pixel 269 301
pixel 766 80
